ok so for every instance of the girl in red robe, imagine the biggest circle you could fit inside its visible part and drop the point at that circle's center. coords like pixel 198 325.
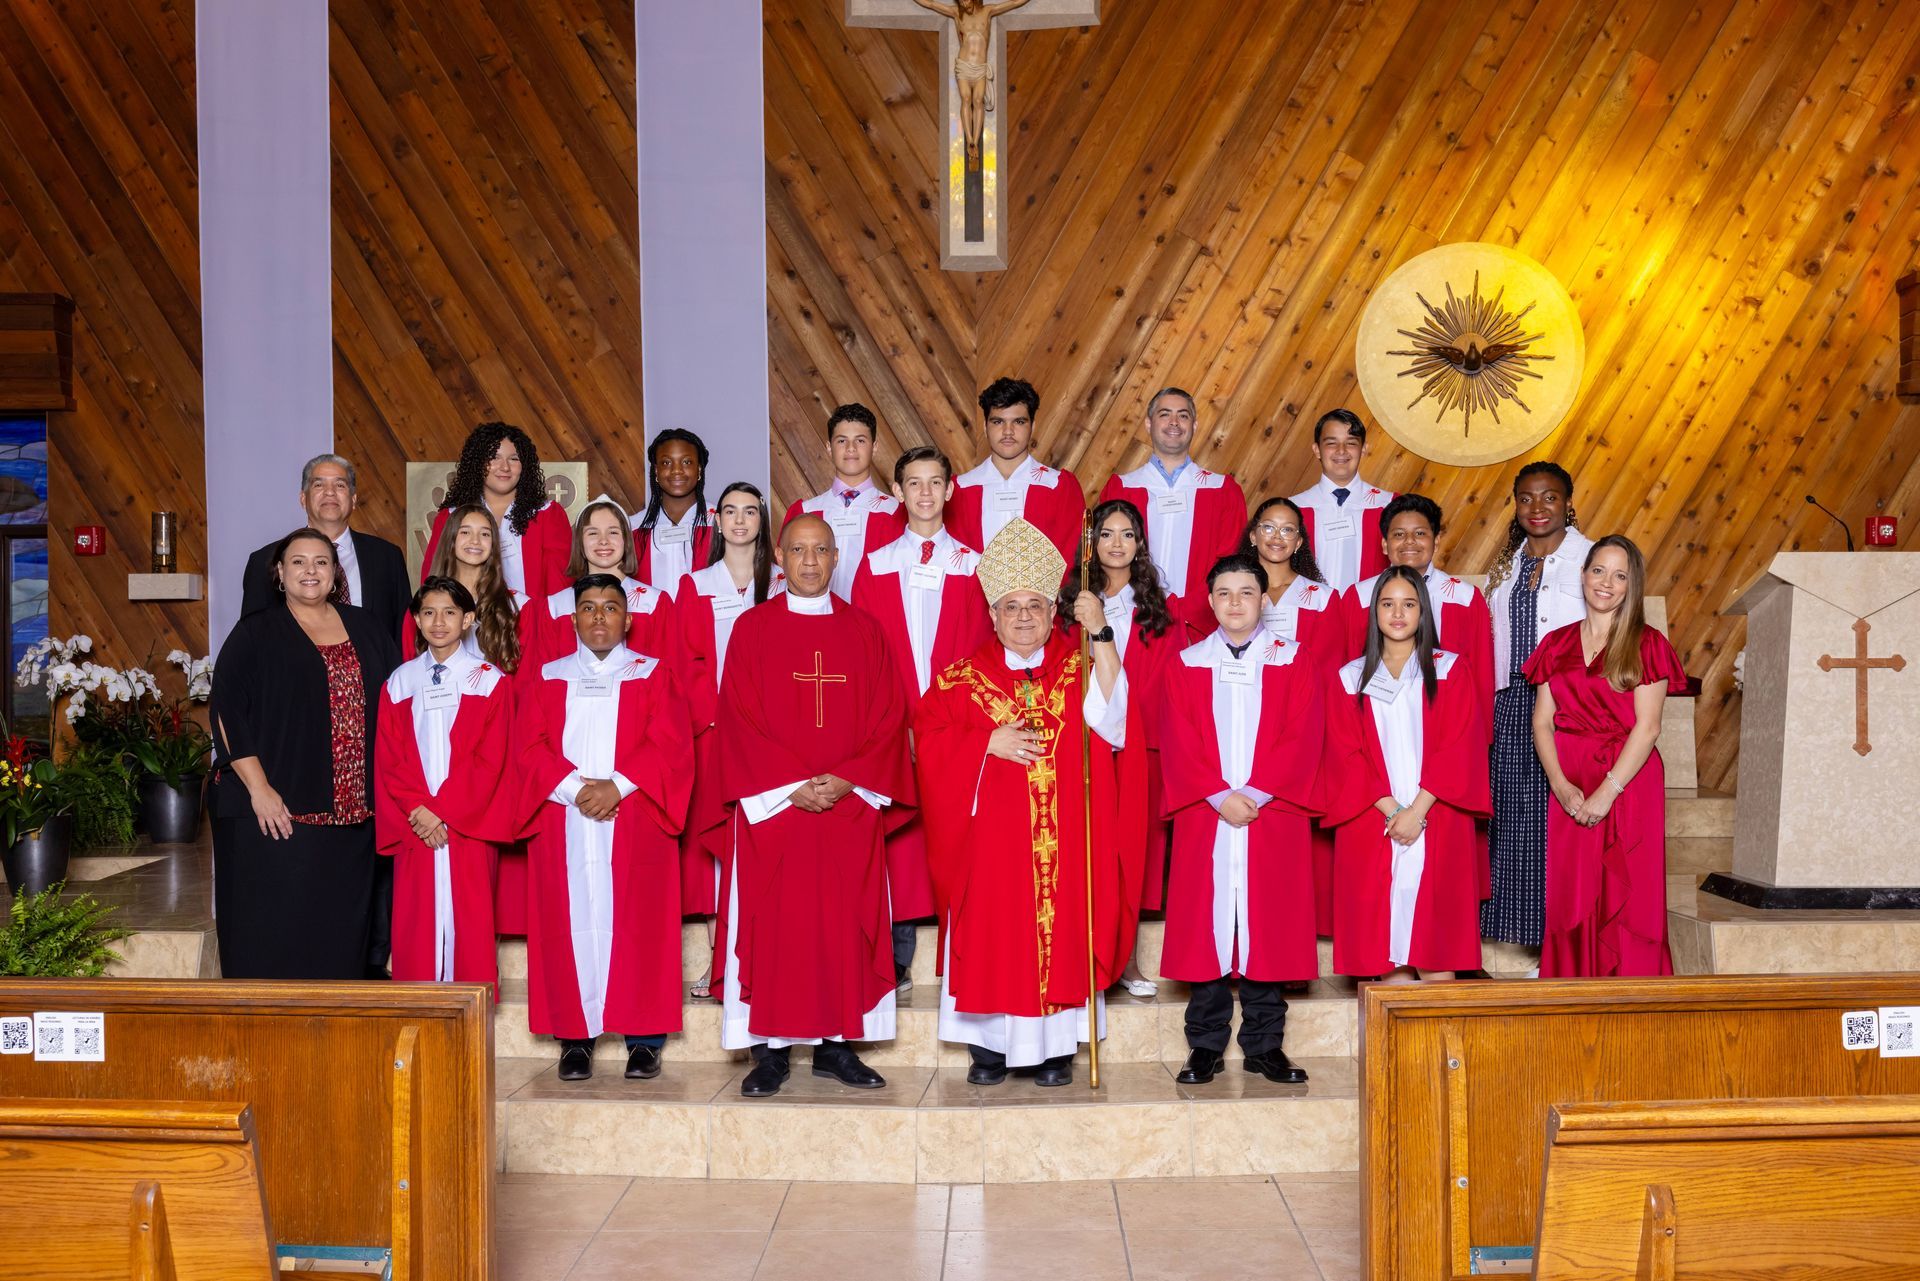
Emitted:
pixel 602 544
pixel 674 536
pixel 500 468
pixel 1149 638
pixel 1405 777
pixel 440 748
pixel 1603 682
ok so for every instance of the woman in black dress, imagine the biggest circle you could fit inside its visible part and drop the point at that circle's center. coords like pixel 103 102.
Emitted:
pixel 293 714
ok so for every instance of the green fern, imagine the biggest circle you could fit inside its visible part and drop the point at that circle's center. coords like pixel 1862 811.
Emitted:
pixel 48 938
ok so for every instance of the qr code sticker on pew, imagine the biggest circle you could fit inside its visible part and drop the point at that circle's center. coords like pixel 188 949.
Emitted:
pixel 52 1041
pixel 86 1042
pixel 16 1035
pixel 1860 1030
pixel 1897 1039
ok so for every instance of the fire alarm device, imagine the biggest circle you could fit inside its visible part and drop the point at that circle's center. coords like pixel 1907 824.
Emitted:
pixel 1883 531
pixel 89 540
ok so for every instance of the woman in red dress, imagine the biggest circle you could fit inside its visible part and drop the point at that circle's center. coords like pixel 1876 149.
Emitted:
pixel 1603 682
pixel 1405 776
pixel 1149 638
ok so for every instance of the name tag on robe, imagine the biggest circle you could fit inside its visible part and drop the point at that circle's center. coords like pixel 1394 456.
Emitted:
pixel 440 698
pixel 1009 501
pixel 1237 672
pixel 728 606
pixel 1171 504
pixel 672 535
pixel 1118 612
pixel 926 578
pixel 847 520
pixel 1340 526
pixel 1384 686
pixel 594 686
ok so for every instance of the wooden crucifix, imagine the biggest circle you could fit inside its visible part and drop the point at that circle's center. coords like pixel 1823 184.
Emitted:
pixel 1860 665
pixel 973 70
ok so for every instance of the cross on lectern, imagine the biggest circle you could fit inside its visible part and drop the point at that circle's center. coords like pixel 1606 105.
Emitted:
pixel 1861 665
pixel 820 680
pixel 973 194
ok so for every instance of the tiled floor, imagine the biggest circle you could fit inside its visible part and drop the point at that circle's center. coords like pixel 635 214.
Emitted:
pixel 1303 1226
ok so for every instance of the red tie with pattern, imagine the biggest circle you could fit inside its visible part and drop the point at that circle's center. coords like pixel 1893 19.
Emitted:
pixel 340 572
pixel 926 551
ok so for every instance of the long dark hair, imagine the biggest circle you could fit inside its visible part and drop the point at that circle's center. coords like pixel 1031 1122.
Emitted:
pixel 653 486
pixel 337 594
pixel 1425 641
pixel 1149 597
pixel 495 626
pixel 1516 534
pixel 762 546
pixel 470 474
pixel 1302 561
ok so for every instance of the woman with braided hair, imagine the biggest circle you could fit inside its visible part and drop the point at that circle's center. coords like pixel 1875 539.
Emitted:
pixel 674 536
pixel 500 467
pixel 1533 588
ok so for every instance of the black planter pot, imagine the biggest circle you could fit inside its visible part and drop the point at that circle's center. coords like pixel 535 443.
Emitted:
pixel 39 859
pixel 170 815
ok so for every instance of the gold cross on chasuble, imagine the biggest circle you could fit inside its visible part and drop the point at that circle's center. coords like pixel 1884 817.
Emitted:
pixel 820 680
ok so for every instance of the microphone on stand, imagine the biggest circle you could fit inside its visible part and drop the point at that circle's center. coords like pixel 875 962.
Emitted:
pixel 1812 501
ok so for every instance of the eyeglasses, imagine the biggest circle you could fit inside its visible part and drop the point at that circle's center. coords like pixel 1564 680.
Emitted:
pixel 1267 529
pixel 1013 609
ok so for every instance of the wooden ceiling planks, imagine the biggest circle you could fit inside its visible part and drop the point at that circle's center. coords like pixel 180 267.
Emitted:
pixel 1205 193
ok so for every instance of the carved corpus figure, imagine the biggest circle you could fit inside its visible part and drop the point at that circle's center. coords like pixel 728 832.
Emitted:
pixel 973 65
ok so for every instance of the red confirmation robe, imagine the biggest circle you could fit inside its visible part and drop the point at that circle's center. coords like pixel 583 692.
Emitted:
pixel 1415 904
pixel 1307 615
pixel 1461 621
pixel 862 519
pixel 1191 523
pixel 603 943
pixel 1345 536
pixel 1606 885
pixel 547 631
pixel 804 946
pixel 1240 899
pixel 1008 847
pixel 534 563
pixel 1049 499
pixel 708 607
pixel 669 552
pixel 933 615
pixel 443 746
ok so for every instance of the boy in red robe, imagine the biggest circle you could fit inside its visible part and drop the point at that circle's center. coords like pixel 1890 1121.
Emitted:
pixel 1000 766
pixel 608 739
pixel 861 515
pixel 1339 511
pixel 1240 742
pixel 1194 516
pixel 439 750
pixel 920 588
pixel 813 721
pixel 1011 482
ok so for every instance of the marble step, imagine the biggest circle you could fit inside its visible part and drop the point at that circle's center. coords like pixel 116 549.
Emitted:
pixel 1323 1022
pixel 926 1126
pixel 1694 812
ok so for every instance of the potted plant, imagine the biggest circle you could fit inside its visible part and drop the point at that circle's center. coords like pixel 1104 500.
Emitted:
pixel 34 811
pixel 48 938
pixel 175 763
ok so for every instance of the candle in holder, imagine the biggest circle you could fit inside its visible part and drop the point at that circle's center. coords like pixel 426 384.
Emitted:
pixel 165 528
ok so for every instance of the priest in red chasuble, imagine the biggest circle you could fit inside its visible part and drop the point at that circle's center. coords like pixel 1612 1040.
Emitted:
pixel 1000 767
pixel 812 724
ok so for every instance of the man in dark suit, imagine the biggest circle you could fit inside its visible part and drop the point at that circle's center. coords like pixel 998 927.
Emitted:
pixel 376 570
pixel 377 582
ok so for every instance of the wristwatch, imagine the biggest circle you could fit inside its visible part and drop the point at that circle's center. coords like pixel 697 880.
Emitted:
pixel 1103 636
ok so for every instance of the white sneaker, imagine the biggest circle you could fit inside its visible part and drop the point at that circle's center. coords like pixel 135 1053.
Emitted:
pixel 1140 987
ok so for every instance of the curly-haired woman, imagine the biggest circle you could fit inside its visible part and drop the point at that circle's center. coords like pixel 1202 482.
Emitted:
pixel 500 467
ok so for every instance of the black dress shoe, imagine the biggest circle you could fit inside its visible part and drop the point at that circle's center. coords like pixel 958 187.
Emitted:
pixel 1277 1067
pixel 768 1075
pixel 986 1074
pixel 1055 1072
pixel 1202 1066
pixel 833 1059
pixel 643 1063
pixel 576 1061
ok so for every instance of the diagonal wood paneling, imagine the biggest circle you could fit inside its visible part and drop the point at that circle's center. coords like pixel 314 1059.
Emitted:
pixel 486 241
pixel 98 201
pixel 1205 191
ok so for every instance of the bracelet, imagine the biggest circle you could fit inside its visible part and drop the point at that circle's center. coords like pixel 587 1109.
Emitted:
pixel 1619 788
pixel 1396 812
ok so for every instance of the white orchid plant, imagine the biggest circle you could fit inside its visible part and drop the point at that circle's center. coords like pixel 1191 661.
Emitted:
pixel 66 671
pixel 122 709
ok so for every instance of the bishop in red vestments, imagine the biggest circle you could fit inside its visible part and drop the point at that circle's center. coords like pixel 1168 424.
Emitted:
pixel 1000 766
pixel 1194 516
pixel 440 748
pixel 1240 748
pixel 814 723
pixel 921 589
pixel 605 775
pixel 1011 482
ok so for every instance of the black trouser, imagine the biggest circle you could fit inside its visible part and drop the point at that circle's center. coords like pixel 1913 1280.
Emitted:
pixel 380 922
pixel 657 1041
pixel 984 1057
pixel 1263 1015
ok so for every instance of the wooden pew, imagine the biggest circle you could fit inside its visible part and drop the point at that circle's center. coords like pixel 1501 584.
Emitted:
pixel 1813 1188
pixel 1457 1080
pixel 112 1190
pixel 372 1102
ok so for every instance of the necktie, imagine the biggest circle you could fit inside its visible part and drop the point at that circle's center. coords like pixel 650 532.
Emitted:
pixel 846 498
pixel 1239 651
pixel 1340 497
pixel 340 572
pixel 926 551
pixel 439 670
